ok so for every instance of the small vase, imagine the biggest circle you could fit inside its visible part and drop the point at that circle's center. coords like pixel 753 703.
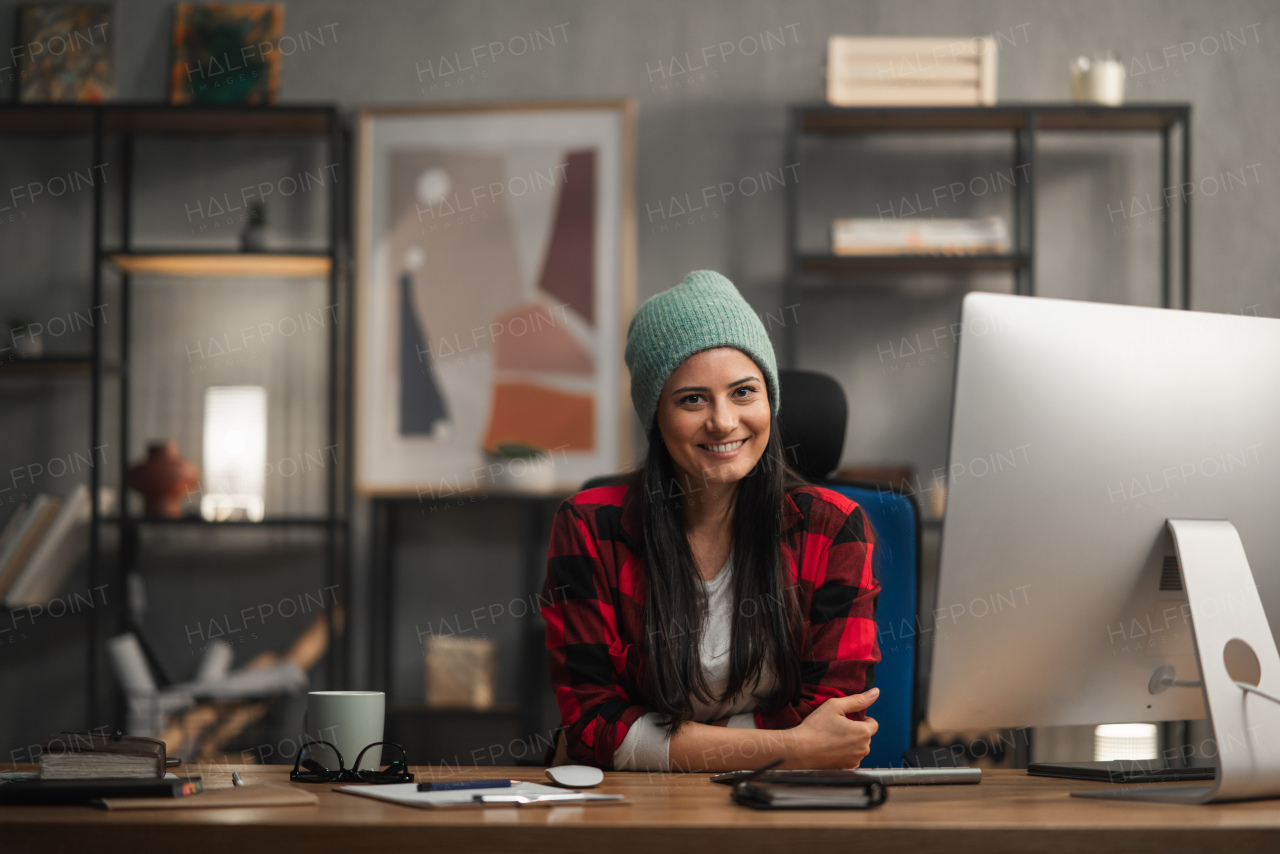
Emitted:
pixel 28 347
pixel 165 480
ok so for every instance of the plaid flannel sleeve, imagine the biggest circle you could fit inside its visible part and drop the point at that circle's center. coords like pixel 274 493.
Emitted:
pixel 584 649
pixel 839 656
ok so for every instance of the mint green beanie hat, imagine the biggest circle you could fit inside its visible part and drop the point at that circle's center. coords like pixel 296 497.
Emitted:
pixel 702 312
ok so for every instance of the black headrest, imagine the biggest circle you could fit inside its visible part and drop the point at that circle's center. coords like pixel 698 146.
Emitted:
pixel 812 420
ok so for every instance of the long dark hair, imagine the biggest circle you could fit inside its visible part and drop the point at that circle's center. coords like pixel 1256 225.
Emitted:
pixel 766 625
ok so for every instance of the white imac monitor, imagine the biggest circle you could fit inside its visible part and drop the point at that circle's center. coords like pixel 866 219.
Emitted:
pixel 1077 430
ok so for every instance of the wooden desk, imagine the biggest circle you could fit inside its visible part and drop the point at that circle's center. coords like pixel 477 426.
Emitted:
pixel 668 813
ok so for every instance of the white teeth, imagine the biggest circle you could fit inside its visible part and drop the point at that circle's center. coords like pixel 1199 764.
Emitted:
pixel 724 449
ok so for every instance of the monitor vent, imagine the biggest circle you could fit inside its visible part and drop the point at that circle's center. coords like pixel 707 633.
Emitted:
pixel 1170 578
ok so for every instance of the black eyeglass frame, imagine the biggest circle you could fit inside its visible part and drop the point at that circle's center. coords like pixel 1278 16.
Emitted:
pixel 397 771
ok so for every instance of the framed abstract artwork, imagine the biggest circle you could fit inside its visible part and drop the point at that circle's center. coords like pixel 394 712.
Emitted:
pixel 64 53
pixel 226 53
pixel 495 255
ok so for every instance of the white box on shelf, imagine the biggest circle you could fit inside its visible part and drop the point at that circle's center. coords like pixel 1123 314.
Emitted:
pixel 875 72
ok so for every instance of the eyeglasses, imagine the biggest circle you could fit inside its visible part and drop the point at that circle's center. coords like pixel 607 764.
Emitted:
pixel 319 772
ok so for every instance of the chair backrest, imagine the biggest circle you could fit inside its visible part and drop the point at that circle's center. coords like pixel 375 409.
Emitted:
pixel 895 518
pixel 812 422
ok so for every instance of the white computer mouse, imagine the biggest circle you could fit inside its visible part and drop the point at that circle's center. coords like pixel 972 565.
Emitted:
pixel 575 776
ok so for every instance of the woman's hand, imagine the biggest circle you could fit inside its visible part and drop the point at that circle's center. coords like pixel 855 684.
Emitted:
pixel 828 739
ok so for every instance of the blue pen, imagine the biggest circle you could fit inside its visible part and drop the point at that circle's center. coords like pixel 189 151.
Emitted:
pixel 464 784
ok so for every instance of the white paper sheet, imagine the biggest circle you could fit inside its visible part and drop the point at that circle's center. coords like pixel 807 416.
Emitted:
pixel 408 794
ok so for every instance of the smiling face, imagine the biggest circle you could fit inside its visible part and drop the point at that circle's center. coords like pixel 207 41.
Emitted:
pixel 714 416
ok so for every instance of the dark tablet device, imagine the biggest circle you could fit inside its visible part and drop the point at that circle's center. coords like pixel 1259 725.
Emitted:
pixel 1124 771
pixel 835 777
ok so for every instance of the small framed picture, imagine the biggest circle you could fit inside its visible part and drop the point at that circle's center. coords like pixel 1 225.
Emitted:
pixel 226 53
pixel 64 53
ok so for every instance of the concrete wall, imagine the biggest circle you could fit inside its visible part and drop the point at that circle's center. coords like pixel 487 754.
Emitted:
pixel 721 123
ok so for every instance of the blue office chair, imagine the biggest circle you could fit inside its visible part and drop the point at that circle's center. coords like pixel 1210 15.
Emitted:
pixel 812 424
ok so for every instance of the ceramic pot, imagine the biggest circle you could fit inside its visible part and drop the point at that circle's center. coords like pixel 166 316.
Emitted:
pixel 164 479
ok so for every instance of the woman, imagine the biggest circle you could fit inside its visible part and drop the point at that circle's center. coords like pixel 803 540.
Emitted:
pixel 714 611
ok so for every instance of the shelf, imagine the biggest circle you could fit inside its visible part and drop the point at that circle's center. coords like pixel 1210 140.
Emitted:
pixel 200 522
pixel 227 264
pixel 826 119
pixel 855 264
pixel 46 364
pixel 202 120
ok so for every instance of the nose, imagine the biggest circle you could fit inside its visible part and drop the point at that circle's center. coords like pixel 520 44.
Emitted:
pixel 721 418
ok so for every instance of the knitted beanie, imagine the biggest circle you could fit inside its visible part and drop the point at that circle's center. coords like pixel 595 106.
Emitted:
pixel 702 312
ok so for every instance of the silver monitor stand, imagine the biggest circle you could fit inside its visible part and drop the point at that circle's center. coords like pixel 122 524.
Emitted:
pixel 1234 647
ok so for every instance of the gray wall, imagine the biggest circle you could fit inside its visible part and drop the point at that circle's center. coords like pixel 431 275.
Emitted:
pixel 721 124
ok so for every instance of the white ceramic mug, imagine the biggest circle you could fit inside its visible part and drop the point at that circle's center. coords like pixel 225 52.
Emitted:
pixel 349 720
pixel 1097 81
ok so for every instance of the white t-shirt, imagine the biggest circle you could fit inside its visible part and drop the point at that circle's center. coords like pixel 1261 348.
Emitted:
pixel 647 743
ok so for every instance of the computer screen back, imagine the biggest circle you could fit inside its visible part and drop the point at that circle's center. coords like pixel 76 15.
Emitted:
pixel 1077 429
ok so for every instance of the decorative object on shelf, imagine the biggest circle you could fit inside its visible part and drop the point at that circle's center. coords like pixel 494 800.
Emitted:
pixel 522 467
pixel 226 53
pixel 64 53
pixel 1099 80
pixel 235 453
pixel 496 248
pixel 459 672
pixel 881 72
pixel 165 480
pixel 910 236
pixel 26 342
pixel 254 236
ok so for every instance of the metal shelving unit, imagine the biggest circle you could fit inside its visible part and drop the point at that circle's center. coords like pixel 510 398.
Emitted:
pixel 424 725
pixel 125 122
pixel 1025 122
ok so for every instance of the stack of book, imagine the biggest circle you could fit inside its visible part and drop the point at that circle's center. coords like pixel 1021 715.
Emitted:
pixel 41 545
pixel 952 236
pixel 88 767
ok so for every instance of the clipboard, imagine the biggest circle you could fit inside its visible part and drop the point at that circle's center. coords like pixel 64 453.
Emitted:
pixel 519 794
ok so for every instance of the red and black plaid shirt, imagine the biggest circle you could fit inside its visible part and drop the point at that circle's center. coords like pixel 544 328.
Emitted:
pixel 595 622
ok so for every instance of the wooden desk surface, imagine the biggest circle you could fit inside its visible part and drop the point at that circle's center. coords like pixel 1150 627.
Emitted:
pixel 668 813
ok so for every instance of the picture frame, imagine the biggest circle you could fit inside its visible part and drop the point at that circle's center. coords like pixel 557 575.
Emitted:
pixel 495 277
pixel 226 53
pixel 65 53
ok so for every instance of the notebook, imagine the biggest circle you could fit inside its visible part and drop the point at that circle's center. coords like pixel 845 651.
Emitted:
pixel 32 792
pixel 774 796
pixel 90 755
pixel 253 795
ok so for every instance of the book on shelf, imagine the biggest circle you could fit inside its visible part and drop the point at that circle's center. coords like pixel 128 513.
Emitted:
pixel 90 755
pixel 907 236
pixel 885 71
pixel 22 535
pixel 56 539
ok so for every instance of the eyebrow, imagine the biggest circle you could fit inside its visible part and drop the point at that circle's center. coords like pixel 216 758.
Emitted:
pixel 684 389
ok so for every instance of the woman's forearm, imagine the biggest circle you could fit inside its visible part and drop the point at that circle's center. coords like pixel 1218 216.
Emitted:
pixel 708 747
